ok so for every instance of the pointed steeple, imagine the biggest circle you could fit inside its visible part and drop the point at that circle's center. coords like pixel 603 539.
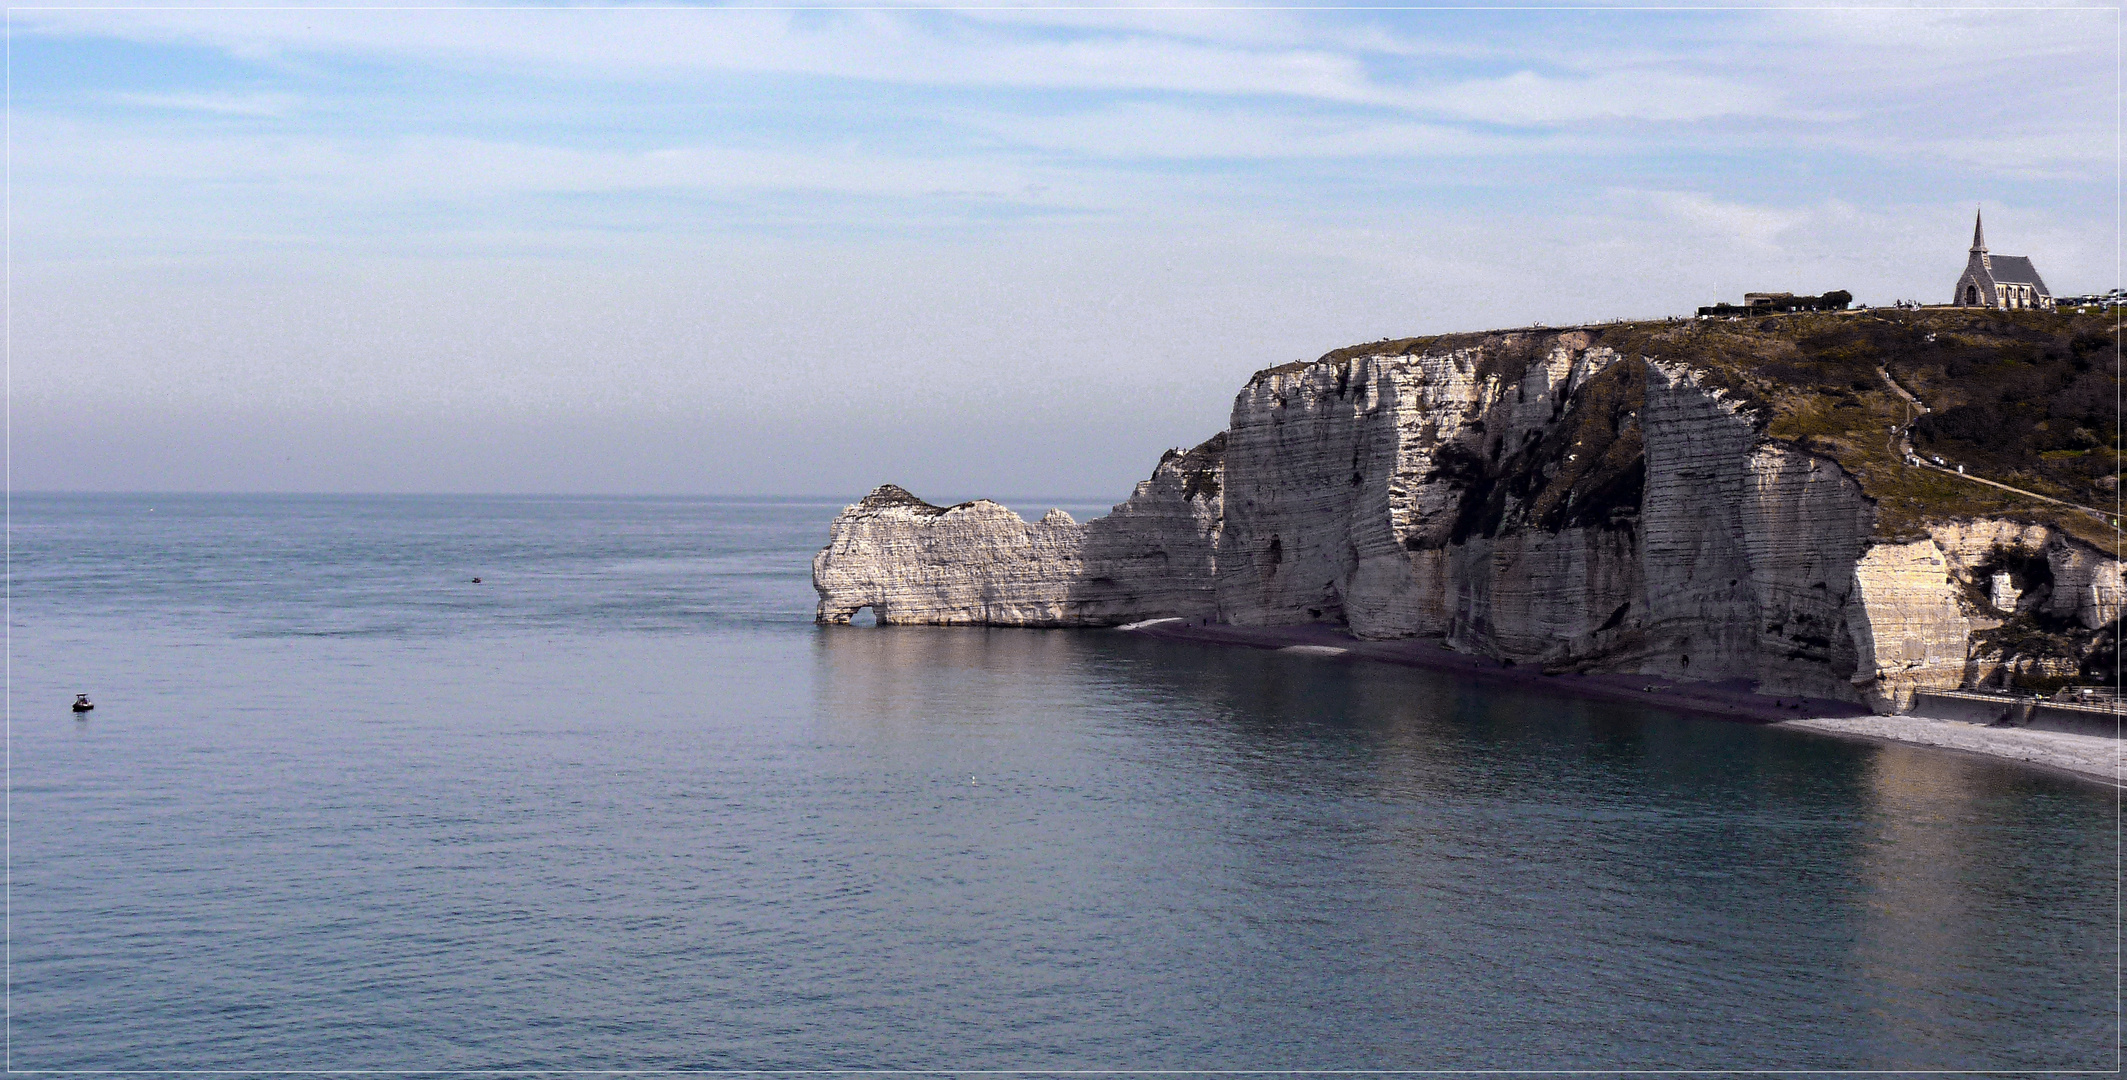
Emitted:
pixel 1979 236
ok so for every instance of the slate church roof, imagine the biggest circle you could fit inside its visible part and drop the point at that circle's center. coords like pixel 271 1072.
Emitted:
pixel 1999 280
pixel 2014 270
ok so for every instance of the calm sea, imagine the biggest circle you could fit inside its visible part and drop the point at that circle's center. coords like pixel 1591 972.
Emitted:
pixel 622 806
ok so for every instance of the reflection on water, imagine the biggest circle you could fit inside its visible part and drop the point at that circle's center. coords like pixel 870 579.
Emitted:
pixel 1594 879
pixel 1964 920
pixel 623 807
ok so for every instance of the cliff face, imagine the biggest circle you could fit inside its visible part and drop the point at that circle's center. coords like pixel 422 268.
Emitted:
pixel 1397 494
pixel 981 564
pixel 1544 497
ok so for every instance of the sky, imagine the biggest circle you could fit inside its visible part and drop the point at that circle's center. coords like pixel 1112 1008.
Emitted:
pixel 980 251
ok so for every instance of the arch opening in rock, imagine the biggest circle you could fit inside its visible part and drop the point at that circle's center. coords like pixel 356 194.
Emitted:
pixel 864 616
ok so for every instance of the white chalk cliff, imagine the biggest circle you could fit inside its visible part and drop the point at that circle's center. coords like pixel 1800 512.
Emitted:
pixel 1530 496
pixel 981 564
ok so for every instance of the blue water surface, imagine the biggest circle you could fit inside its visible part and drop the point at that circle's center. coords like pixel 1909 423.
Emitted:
pixel 622 806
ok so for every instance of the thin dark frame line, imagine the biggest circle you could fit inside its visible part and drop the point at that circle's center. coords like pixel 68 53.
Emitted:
pixel 7 540
pixel 599 9
pixel 1065 1072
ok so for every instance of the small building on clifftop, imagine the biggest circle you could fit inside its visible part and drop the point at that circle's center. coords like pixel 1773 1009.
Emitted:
pixel 2008 282
pixel 1779 303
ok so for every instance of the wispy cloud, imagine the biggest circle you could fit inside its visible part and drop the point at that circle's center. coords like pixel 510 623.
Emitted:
pixel 1085 111
pixel 559 210
pixel 1759 227
pixel 1223 132
pixel 1273 55
pixel 637 44
pixel 220 104
pixel 469 169
pixel 1530 98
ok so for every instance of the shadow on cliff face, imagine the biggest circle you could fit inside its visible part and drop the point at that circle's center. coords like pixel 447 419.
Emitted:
pixel 1586 469
pixel 2024 397
pixel 1694 499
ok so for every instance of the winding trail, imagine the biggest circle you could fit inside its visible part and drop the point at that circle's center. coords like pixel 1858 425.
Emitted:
pixel 2102 515
pixel 1902 445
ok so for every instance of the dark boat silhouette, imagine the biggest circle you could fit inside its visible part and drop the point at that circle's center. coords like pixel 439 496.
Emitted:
pixel 82 703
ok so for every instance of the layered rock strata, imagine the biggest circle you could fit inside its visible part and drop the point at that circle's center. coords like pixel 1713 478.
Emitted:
pixel 979 563
pixel 1536 497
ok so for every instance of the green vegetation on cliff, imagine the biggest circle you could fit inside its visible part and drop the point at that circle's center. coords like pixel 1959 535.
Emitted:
pixel 2024 398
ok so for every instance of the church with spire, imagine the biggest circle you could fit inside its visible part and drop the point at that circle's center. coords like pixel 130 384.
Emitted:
pixel 1999 281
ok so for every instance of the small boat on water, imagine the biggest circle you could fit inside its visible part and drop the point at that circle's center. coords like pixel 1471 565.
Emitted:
pixel 82 703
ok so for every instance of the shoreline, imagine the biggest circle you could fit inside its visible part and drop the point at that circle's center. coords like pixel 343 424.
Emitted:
pixel 2093 758
pixel 1729 699
pixel 2085 757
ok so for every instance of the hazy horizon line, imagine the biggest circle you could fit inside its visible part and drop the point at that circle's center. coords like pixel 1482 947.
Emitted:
pixel 709 496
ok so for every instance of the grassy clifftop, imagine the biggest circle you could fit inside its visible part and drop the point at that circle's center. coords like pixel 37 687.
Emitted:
pixel 2023 398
